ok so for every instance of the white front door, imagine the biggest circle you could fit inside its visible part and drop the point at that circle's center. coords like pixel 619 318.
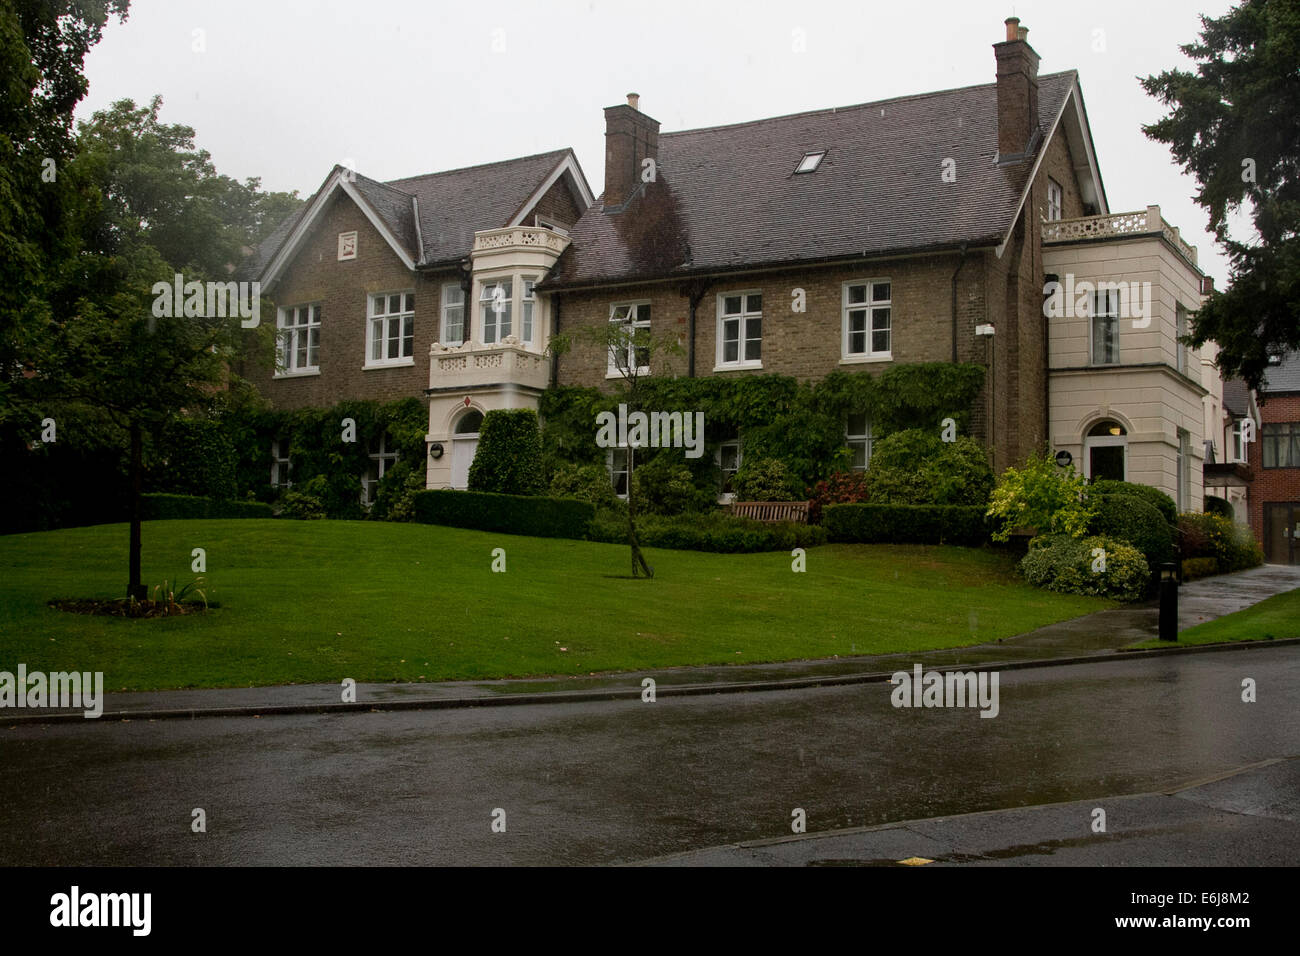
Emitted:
pixel 462 453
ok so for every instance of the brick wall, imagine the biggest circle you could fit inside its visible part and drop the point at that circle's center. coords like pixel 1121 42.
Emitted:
pixel 1272 484
pixel 316 275
pixel 558 203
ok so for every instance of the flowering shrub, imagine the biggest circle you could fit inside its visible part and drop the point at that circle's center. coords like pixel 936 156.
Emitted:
pixel 1042 496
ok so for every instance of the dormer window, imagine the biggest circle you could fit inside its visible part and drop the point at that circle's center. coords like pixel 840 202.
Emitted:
pixel 810 162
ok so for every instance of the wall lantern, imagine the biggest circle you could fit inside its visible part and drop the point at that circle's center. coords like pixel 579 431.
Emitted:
pixel 435 451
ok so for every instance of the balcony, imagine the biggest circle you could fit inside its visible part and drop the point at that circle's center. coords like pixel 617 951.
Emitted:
pixel 475 365
pixel 1119 224
pixel 520 238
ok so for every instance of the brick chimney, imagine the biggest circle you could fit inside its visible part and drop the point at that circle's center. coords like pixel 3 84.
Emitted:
pixel 631 137
pixel 1017 90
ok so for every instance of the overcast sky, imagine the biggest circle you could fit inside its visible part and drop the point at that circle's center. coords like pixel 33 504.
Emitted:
pixel 284 89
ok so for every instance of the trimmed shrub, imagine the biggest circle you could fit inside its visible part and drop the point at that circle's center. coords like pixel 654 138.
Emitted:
pixel 665 486
pixel 588 483
pixel 712 531
pixel 1065 564
pixel 1194 568
pixel 1153 496
pixel 306 501
pixel 906 524
pixel 172 507
pixel 843 487
pixel 506 514
pixel 916 467
pixel 765 479
pixel 1136 521
pixel 508 460
pixel 1042 496
pixel 1232 546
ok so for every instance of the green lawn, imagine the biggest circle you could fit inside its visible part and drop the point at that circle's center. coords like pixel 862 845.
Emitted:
pixel 1274 618
pixel 317 601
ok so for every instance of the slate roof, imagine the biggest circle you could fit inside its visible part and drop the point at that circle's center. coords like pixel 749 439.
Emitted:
pixel 453 205
pixel 1283 377
pixel 727 197
pixel 1236 397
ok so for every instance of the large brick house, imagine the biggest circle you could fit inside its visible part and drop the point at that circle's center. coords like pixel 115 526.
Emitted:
pixel 923 228
pixel 917 229
pixel 1275 460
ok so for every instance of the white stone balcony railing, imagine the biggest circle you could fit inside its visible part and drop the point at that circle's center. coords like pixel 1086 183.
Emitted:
pixel 1139 223
pixel 520 237
pixel 473 364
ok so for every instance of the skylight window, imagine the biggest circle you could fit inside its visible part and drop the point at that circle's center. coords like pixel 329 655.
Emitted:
pixel 810 162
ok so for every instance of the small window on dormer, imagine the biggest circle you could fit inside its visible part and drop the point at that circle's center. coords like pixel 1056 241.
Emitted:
pixel 810 162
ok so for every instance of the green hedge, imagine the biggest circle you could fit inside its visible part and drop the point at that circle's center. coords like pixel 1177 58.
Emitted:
pixel 170 507
pixel 508 514
pixel 1065 564
pixel 1152 496
pixel 714 531
pixel 906 524
pixel 1134 519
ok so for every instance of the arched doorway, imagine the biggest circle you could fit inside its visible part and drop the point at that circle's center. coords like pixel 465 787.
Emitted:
pixel 1105 451
pixel 464 443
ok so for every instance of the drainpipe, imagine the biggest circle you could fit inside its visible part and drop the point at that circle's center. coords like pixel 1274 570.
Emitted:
pixel 961 261
pixel 695 294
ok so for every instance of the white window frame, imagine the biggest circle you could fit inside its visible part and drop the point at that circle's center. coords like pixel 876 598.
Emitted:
pixel 1111 314
pixel 281 464
pixel 489 318
pixel 545 222
pixel 609 469
pixel 1055 200
pixel 633 320
pixel 725 496
pixel 870 305
pixel 288 344
pixel 382 321
pixel 742 319
pixel 383 459
pixel 852 439
pixel 446 308
pixel 529 311
pixel 1237 455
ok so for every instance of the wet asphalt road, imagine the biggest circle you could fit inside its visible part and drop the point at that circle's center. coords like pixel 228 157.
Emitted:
pixel 624 781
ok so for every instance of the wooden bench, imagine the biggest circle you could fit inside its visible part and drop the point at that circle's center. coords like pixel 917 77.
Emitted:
pixel 771 510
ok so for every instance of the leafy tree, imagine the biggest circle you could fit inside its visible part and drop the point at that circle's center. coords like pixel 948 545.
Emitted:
pixel 630 350
pixel 43 44
pixel 1234 124
pixel 148 205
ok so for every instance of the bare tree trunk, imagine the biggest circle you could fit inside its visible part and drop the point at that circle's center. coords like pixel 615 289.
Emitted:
pixel 135 587
pixel 638 560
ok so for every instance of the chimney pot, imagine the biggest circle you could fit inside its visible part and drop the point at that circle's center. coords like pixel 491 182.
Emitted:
pixel 633 99
pixel 1022 34
pixel 1013 28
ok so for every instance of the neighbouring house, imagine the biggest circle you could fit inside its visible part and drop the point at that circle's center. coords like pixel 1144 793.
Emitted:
pixel 418 287
pixel 1229 476
pixel 917 229
pixel 1274 458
